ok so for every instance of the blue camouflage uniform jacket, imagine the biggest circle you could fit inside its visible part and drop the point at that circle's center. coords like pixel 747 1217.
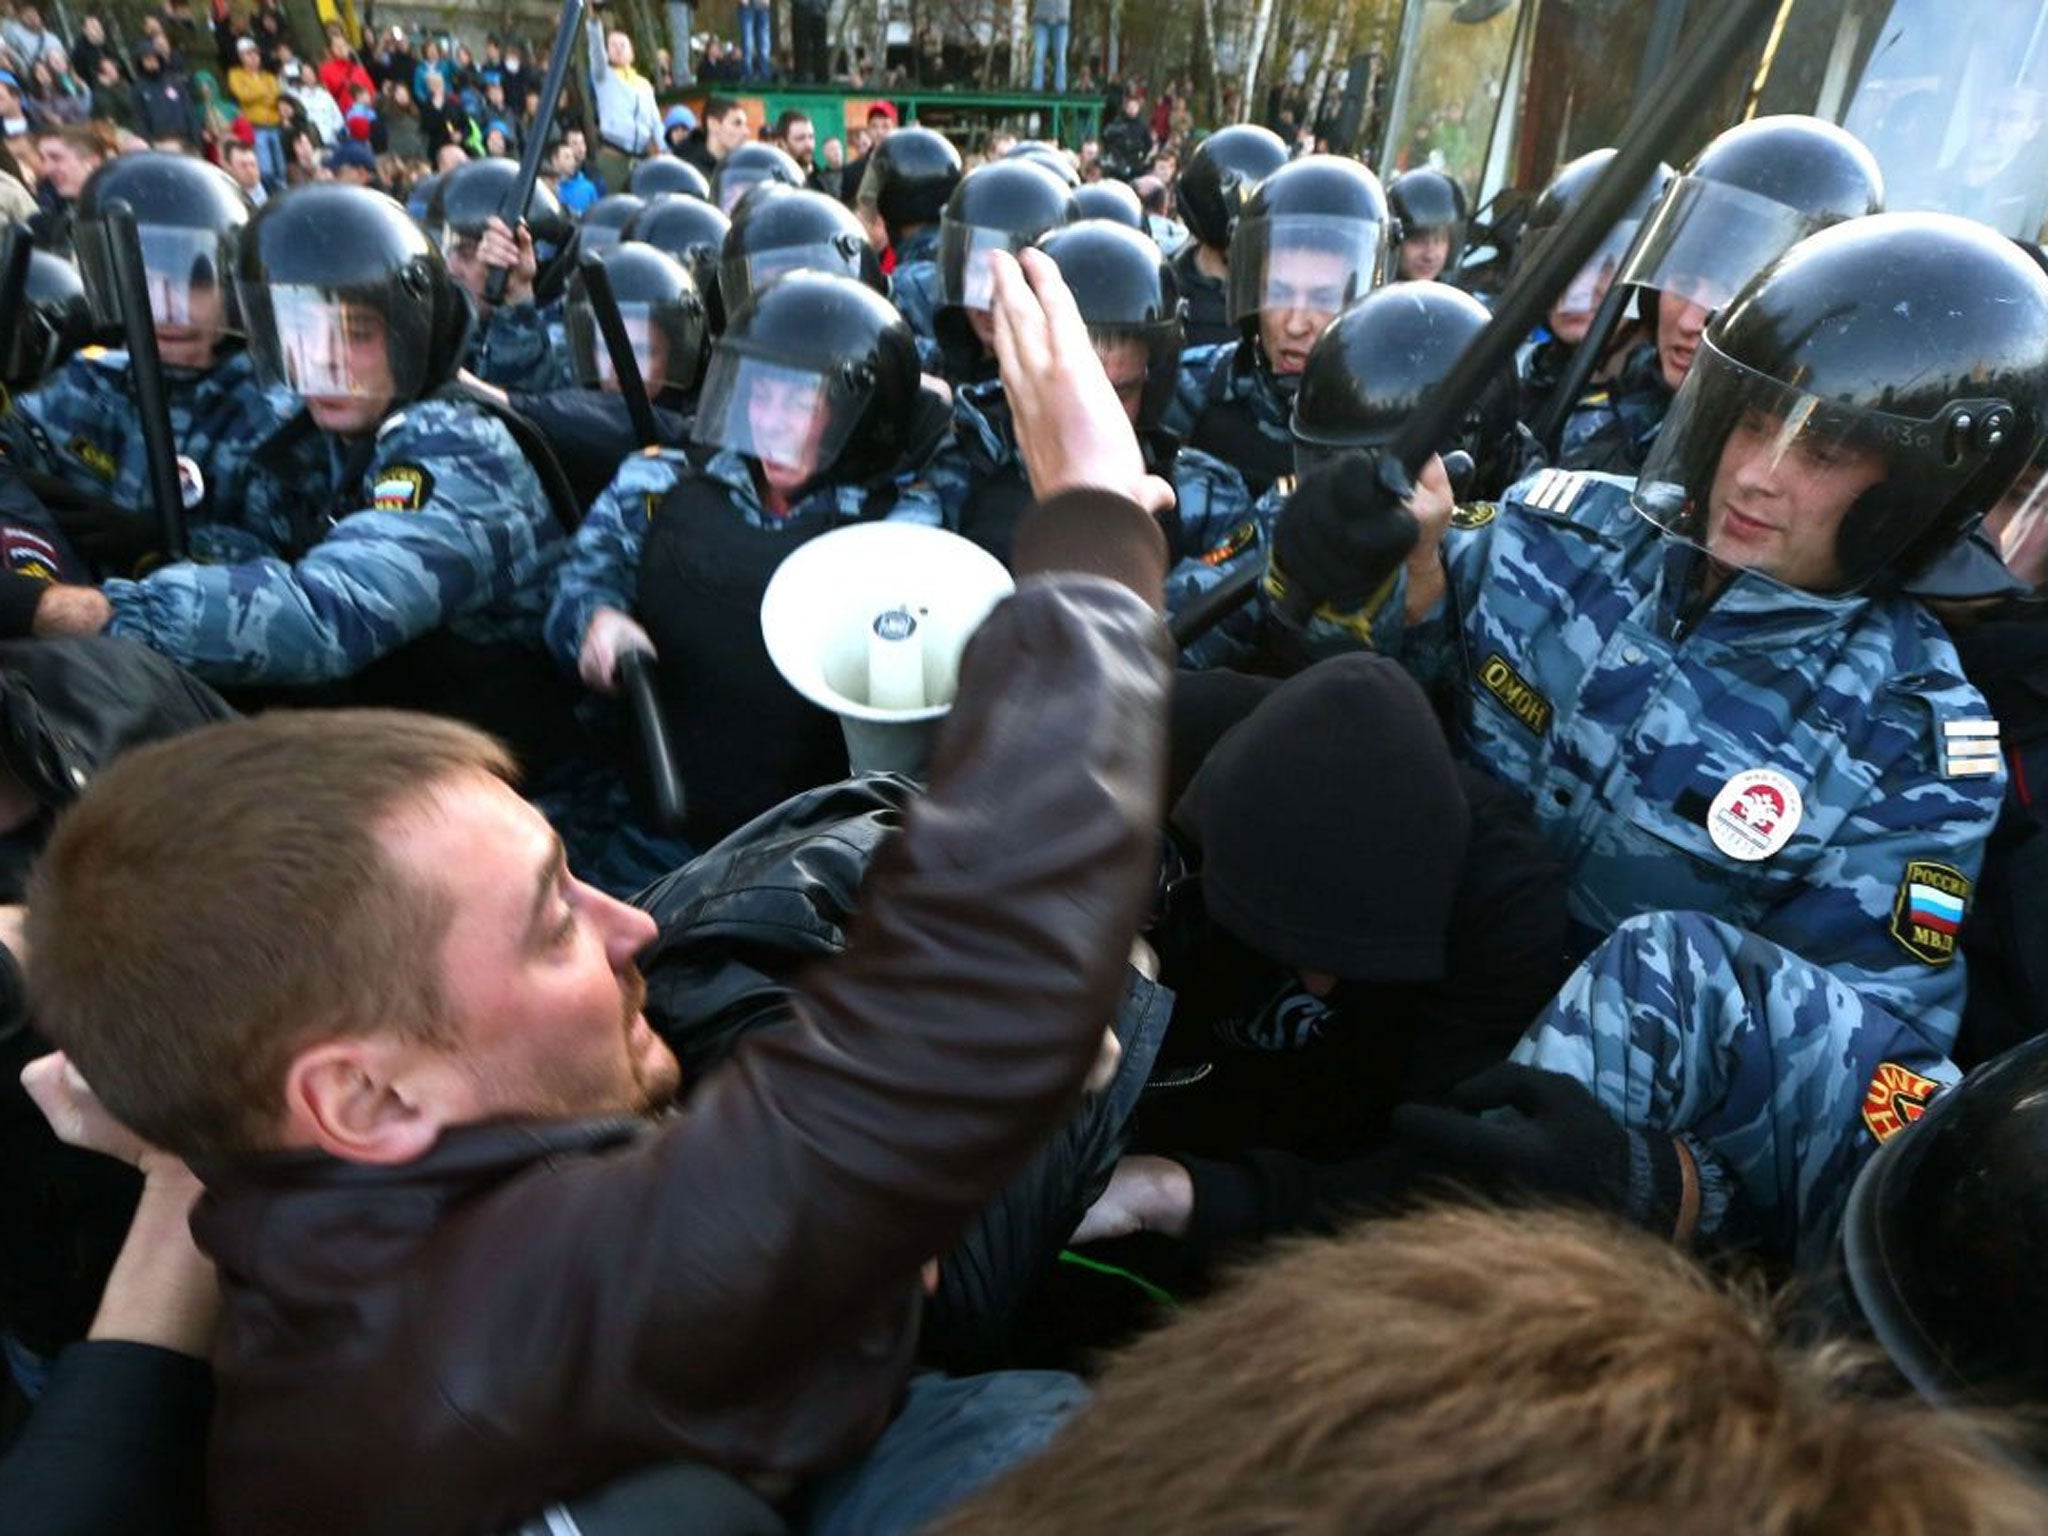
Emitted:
pixel 1213 529
pixel 914 290
pixel 1612 426
pixel 602 567
pixel 523 347
pixel 444 524
pixel 1648 738
pixel 1229 374
pixel 81 426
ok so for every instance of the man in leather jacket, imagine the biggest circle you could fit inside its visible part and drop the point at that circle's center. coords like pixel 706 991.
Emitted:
pixel 469 1267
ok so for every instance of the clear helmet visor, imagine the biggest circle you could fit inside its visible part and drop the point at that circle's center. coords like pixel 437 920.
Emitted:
pixel 966 277
pixel 186 273
pixel 593 359
pixel 1582 295
pixel 1770 479
pixel 741 277
pixel 1303 262
pixel 2017 528
pixel 736 185
pixel 790 419
pixel 1707 238
pixel 331 344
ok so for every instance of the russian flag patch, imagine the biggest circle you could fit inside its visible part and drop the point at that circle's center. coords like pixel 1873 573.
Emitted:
pixel 1927 912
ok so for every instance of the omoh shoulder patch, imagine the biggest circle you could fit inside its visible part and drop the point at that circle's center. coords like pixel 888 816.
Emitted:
pixel 1895 1099
pixel 1927 912
pixel 1499 678
pixel 402 488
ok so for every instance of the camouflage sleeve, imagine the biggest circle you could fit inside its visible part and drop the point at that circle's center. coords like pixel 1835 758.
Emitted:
pixel 1882 906
pixel 45 427
pixel 952 476
pixel 443 536
pixel 1191 389
pixel 914 291
pixel 521 346
pixel 1779 1077
pixel 1221 531
pixel 602 568
pixel 917 502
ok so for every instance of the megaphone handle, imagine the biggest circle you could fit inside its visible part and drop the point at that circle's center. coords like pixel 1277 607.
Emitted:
pixel 636 680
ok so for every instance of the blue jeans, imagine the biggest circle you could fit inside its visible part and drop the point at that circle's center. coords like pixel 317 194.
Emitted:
pixel 953 1436
pixel 1053 35
pixel 757 41
pixel 270 154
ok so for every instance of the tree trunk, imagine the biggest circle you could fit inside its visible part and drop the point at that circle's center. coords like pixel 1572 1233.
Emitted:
pixel 1207 52
pixel 1340 18
pixel 1255 46
pixel 1020 17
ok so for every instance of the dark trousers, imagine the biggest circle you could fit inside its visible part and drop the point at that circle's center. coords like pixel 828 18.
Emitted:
pixel 808 35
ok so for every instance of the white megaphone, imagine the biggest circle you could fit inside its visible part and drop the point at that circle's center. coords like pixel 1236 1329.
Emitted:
pixel 870 621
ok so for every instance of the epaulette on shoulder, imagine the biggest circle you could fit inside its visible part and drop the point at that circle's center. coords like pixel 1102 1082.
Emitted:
pixel 1576 495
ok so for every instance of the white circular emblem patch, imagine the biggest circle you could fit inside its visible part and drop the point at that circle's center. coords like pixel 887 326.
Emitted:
pixel 191 483
pixel 1755 814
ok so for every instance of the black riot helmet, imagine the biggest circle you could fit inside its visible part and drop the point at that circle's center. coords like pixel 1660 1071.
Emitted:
pixel 915 171
pixel 1313 235
pixel 746 168
pixel 345 297
pixel 1005 205
pixel 816 373
pixel 1429 209
pixel 1945 1239
pixel 475 192
pixel 667 173
pixel 419 197
pixel 1859 405
pixel 1051 156
pixel 693 232
pixel 1373 367
pixel 1126 291
pixel 792 229
pixel 1748 197
pixel 1218 177
pixel 190 217
pixel 604 221
pixel 1566 191
pixel 55 320
pixel 664 318
pixel 1111 200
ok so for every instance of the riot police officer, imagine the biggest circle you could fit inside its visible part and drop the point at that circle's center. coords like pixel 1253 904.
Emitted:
pixel 1430 208
pixel 777 229
pixel 748 167
pixel 1113 201
pixel 1211 188
pixel 806 417
pixel 1709 683
pixel 693 232
pixel 1549 354
pixel 1311 238
pixel 1748 197
pixel 80 427
pixel 518 343
pixel 52 319
pixel 589 429
pixel 392 535
pixel 1126 292
pixel 915 171
pixel 1005 205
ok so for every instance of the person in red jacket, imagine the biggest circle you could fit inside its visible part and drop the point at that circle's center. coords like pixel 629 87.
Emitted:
pixel 342 72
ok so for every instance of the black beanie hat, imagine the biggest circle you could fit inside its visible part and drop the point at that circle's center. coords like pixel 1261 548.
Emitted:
pixel 1331 825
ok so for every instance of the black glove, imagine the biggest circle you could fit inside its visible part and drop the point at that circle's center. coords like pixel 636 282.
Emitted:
pixel 111 541
pixel 19 594
pixel 1339 537
pixel 1554 1139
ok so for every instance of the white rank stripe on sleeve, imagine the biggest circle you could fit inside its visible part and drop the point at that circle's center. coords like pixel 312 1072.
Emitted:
pixel 1969 748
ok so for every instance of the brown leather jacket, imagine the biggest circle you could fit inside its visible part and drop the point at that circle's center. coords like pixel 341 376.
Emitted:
pixel 533 1309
